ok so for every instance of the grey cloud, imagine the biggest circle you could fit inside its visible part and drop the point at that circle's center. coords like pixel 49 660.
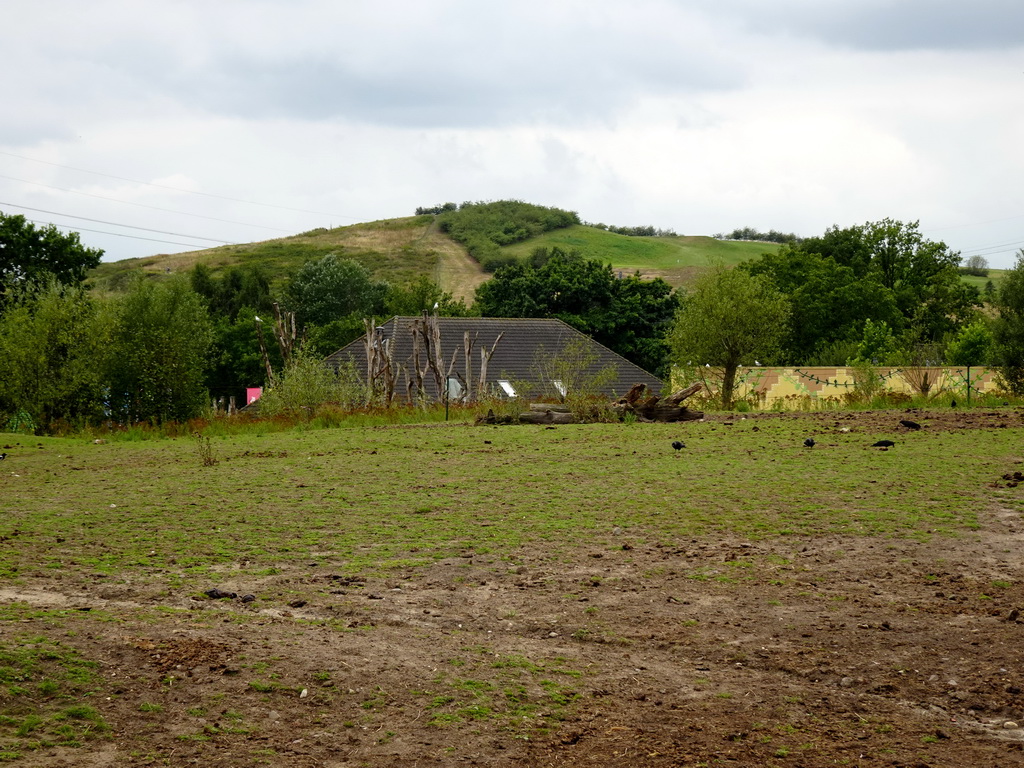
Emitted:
pixel 452 92
pixel 892 25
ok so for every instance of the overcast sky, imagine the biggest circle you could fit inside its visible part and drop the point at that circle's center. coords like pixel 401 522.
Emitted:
pixel 240 120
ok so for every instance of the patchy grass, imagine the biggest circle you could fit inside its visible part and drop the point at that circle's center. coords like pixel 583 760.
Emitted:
pixel 376 500
pixel 43 685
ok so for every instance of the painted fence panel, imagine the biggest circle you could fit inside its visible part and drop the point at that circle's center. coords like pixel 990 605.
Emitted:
pixel 807 387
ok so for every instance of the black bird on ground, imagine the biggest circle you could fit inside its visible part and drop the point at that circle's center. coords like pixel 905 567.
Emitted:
pixel 952 403
pixel 218 594
pixel 809 442
pixel 678 445
pixel 910 424
pixel 3 456
pixel 883 444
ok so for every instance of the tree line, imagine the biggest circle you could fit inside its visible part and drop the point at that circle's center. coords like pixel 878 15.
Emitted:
pixel 164 346
pixel 876 294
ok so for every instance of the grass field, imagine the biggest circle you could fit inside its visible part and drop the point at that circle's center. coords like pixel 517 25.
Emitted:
pixel 387 499
pixel 519 594
pixel 646 253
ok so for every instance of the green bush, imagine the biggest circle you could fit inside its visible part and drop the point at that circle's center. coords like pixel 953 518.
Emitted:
pixel 307 384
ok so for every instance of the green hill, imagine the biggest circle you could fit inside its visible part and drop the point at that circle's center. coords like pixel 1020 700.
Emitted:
pixel 676 259
pixel 399 250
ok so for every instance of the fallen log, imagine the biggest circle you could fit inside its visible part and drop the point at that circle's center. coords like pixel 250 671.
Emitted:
pixel 547 417
pixel 677 397
pixel 556 407
pixel 659 413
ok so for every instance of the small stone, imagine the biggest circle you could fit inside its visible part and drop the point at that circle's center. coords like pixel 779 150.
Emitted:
pixel 1010 725
pixel 552 634
pixel 846 682
pixel 273 715
pixel 304 693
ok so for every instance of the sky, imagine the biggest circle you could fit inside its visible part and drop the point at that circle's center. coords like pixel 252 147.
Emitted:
pixel 162 127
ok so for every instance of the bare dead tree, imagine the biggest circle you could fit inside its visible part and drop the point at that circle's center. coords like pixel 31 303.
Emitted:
pixel 286 332
pixel 381 372
pixel 467 382
pixel 263 352
pixel 485 358
pixel 426 332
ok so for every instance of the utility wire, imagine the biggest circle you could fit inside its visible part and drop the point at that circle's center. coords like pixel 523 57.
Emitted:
pixel 117 234
pixel 178 189
pixel 994 248
pixel 117 224
pixel 143 205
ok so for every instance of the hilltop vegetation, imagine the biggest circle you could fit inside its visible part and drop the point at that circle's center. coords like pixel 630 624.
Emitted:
pixel 402 250
pixel 483 228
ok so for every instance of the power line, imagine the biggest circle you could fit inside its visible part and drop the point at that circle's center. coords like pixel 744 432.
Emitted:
pixel 994 248
pixel 142 205
pixel 117 234
pixel 178 189
pixel 117 224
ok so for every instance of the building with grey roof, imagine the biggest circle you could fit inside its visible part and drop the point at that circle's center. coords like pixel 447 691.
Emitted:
pixel 506 356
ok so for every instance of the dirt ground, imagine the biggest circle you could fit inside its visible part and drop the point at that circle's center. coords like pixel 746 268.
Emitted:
pixel 852 651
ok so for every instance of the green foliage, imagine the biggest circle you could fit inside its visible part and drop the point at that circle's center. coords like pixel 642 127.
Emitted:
pixel 307 384
pixel 1009 328
pixel 971 346
pixel 483 227
pixel 156 352
pixel 627 315
pixel 880 271
pixel 422 295
pixel 49 343
pixel 31 255
pixel 752 233
pixel 646 230
pixel 922 274
pixel 331 288
pixel 976 266
pixel 877 345
pixel 568 376
pixel 829 303
pixel 436 209
pixel 237 288
pixel 729 318
pixel 235 359
pixel 323 340
pixel 867 384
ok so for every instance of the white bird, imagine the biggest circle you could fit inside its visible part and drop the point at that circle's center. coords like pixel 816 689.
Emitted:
pixel 707 365
pixel 436 304
pixel 257 318
pixel 757 362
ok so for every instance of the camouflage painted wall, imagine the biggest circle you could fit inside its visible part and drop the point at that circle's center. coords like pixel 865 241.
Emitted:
pixel 806 387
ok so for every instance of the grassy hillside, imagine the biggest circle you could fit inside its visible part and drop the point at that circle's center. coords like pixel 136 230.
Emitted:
pixel 676 259
pixel 398 250
pixel 995 275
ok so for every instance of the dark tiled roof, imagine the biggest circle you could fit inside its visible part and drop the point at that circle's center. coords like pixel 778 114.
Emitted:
pixel 513 360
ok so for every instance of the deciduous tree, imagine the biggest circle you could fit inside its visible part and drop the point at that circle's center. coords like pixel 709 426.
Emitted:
pixel 49 345
pixel 157 352
pixel 1009 327
pixel 30 255
pixel 330 288
pixel 628 315
pixel 729 318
